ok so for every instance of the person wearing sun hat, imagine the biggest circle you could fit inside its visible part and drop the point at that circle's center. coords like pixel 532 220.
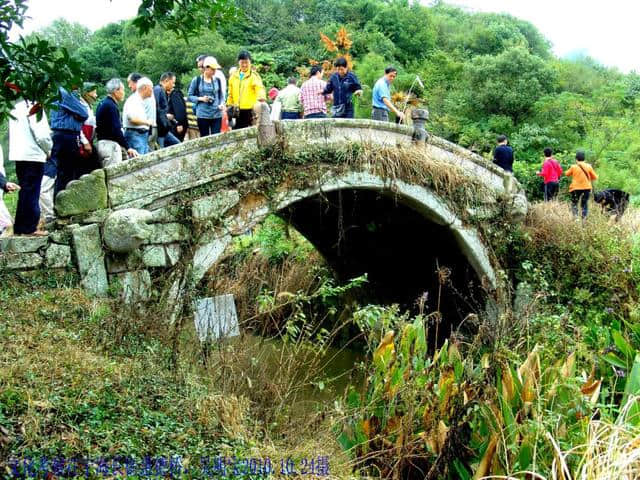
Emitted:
pixel 205 92
pixel 90 162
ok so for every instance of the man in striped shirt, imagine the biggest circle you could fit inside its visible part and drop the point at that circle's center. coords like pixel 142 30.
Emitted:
pixel 311 97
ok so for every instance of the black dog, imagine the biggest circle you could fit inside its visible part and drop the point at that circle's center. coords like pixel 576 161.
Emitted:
pixel 613 202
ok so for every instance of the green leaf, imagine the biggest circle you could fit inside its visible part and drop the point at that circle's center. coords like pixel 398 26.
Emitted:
pixel 614 360
pixel 353 398
pixel 622 344
pixel 461 471
pixel 509 420
pixel 632 388
pixel 525 456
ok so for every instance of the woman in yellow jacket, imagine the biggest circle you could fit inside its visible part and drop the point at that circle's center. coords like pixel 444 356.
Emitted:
pixel 580 188
pixel 245 89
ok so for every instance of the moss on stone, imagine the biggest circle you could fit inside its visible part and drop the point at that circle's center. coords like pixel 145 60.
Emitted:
pixel 87 194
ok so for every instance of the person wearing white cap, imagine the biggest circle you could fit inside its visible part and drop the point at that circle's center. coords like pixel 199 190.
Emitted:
pixel 205 92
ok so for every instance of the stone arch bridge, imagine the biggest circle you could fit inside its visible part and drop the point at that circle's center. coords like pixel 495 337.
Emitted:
pixel 371 196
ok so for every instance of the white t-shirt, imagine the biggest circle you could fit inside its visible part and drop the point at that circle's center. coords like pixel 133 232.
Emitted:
pixel 134 108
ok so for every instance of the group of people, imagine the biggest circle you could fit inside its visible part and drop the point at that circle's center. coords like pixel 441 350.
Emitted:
pixel 612 201
pixel 310 99
pixel 49 153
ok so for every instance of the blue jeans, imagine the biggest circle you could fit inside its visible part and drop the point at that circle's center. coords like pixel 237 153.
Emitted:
pixel 137 139
pixel 316 115
pixel 168 140
pixel 290 116
pixel 28 211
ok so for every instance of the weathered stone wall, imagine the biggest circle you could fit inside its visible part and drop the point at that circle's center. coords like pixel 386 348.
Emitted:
pixel 180 207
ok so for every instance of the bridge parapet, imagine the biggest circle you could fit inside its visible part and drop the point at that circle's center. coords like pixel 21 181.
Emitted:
pixel 188 201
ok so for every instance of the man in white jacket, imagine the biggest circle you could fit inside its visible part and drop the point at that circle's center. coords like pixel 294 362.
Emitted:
pixel 29 146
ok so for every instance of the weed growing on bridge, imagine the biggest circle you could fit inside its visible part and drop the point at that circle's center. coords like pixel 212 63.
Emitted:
pixel 278 167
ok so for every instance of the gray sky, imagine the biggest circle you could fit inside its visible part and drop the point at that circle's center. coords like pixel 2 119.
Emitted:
pixel 607 31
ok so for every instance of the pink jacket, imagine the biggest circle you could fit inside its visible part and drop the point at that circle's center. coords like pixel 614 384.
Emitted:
pixel 551 170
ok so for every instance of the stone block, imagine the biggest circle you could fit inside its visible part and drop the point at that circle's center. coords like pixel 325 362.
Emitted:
pixel 123 262
pixel 214 206
pixel 22 244
pixel 62 237
pixel 167 233
pixel 84 195
pixel 166 214
pixel 20 261
pixel 88 246
pixel 125 230
pixel 161 255
pixel 58 256
pixel 135 286
pixel 206 255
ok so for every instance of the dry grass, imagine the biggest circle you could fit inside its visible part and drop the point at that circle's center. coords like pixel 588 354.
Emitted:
pixel 552 222
pixel 612 451
pixel 246 280
pixel 415 165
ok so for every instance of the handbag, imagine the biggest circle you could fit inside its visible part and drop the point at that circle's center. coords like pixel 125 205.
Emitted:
pixel 88 133
pixel 233 111
pixel 338 110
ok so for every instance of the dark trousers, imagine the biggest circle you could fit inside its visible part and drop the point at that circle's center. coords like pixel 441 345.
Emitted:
pixel 65 155
pixel 245 119
pixel 209 126
pixel 550 191
pixel 581 196
pixel 290 116
pixel 28 211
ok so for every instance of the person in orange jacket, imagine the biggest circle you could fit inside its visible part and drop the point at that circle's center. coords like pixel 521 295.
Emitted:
pixel 582 175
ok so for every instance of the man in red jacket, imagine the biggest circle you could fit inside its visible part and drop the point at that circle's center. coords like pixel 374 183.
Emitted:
pixel 551 172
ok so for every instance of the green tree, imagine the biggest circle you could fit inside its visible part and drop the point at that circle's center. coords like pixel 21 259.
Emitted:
pixel 65 34
pixel 34 69
pixel 507 84
pixel 408 27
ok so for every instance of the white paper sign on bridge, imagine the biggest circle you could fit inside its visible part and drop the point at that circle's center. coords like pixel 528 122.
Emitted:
pixel 216 318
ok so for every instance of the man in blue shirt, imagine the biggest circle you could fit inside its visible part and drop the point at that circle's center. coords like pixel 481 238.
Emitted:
pixel 66 121
pixel 343 84
pixel 109 127
pixel 382 97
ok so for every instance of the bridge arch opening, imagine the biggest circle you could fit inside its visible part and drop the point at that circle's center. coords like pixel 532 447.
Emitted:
pixel 404 237
pixel 409 258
